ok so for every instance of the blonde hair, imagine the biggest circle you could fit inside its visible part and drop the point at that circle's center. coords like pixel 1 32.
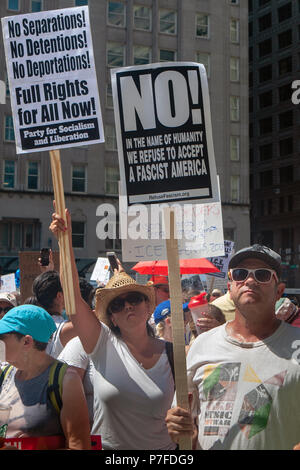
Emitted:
pixel 160 328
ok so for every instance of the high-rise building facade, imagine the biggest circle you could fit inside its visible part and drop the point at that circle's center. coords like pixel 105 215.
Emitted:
pixel 274 142
pixel 212 32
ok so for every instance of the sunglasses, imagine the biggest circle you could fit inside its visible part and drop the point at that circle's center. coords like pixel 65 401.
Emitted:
pixel 118 304
pixel 261 275
pixel 5 309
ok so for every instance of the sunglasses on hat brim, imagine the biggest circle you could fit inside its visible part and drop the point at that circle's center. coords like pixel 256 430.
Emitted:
pixel 261 275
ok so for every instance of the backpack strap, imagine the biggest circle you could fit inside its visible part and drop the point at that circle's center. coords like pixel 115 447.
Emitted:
pixel 54 390
pixel 169 351
pixel 4 373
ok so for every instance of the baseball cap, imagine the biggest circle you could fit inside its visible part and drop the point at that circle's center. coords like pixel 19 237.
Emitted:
pixel 262 252
pixel 29 320
pixel 163 310
pixel 8 297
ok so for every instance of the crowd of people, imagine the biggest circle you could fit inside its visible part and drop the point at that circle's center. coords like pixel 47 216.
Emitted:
pixel 116 367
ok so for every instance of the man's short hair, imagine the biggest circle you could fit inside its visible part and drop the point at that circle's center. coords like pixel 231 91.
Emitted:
pixel 45 287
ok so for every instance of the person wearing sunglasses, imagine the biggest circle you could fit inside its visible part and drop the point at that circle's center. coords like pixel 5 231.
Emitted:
pixel 245 375
pixel 133 385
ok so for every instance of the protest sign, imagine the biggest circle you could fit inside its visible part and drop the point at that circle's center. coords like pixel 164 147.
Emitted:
pixel 101 271
pixel 52 79
pixel 221 262
pixel 8 283
pixel 163 126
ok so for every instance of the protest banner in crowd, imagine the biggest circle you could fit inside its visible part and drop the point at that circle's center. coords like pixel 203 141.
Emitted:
pixel 164 136
pixel 52 79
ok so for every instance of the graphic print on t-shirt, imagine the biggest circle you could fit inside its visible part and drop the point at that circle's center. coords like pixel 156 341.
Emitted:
pixel 220 385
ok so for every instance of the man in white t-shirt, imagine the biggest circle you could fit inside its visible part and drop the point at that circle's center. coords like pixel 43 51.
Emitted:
pixel 245 375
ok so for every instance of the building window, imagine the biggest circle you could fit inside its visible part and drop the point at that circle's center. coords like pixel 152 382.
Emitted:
pixel 266 178
pixel 204 58
pixel 110 138
pixel 113 243
pixel 115 54
pixel 16 236
pixel 284 12
pixel 142 18
pixel 265 73
pixel 234 30
pixel 81 3
pixel 7 91
pixel 78 232
pixel 13 5
pixel 168 21
pixel 265 47
pixel 112 177
pixel 285 39
pixel 33 175
pixel 286 174
pixel 234 2
pixel 285 66
pixel 36 6
pixel 265 152
pixel 202 26
pixel 286 147
pixel 116 14
pixel 234 148
pixel 234 69
pixel 167 55
pixel 234 188
pixel 265 22
pixel 9 133
pixel 265 125
pixel 261 3
pixel 234 108
pixel 79 178
pixel 286 119
pixel 265 99
pixel 109 96
pixel 9 174
pixel 141 55
pixel 284 92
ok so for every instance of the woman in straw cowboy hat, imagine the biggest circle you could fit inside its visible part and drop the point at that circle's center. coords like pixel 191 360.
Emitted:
pixel 132 378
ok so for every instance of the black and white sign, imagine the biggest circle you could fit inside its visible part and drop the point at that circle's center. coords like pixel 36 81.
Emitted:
pixel 164 135
pixel 52 79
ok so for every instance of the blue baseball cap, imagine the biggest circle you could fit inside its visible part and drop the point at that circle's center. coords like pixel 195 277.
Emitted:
pixel 163 310
pixel 28 320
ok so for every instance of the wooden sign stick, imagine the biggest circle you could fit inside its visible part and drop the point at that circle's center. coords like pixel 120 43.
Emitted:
pixel 63 238
pixel 177 319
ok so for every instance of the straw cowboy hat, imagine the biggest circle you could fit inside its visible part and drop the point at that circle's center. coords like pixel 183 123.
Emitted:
pixel 119 284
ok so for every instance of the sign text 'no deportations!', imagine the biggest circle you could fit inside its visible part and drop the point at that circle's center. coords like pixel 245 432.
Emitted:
pixel 163 125
pixel 52 79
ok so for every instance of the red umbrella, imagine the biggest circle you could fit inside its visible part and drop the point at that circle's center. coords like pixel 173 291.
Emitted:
pixel 187 266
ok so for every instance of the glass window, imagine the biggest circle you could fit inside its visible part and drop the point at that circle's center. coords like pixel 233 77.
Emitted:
pixel 285 65
pixel 234 69
pixel 142 17
pixel 32 175
pixel 109 96
pixel 266 178
pixel 13 5
pixel 141 55
pixel 265 47
pixel 78 231
pixel 235 188
pixel 234 108
pixel 265 22
pixel 36 6
pixel 266 152
pixel 284 12
pixel 234 2
pixel 202 25
pixel 234 147
pixel 115 54
pixel 234 30
pixel 286 119
pixel 265 125
pixel 285 39
pixel 168 21
pixel 265 73
pixel 167 55
pixel 265 99
pixel 9 176
pixel 286 147
pixel 112 177
pixel 7 91
pixel 79 178
pixel 110 138
pixel 116 14
pixel 81 3
pixel 9 134
pixel 204 58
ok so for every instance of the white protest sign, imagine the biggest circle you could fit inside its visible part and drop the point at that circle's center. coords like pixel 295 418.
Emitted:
pixel 164 135
pixel 52 80
pixel 101 271
pixel 8 283
pixel 222 262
